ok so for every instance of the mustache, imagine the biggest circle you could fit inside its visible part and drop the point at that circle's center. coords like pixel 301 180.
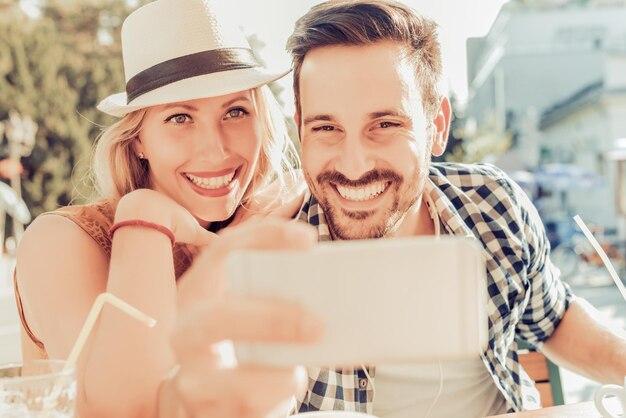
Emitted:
pixel 336 177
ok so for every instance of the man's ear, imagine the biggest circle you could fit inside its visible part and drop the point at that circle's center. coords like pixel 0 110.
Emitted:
pixel 441 125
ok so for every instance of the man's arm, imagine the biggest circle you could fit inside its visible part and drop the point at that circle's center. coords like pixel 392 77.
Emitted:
pixel 567 329
pixel 584 343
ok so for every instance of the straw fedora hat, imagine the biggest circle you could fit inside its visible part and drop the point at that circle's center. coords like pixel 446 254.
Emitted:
pixel 177 50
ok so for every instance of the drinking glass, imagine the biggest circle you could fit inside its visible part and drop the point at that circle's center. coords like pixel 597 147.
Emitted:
pixel 37 388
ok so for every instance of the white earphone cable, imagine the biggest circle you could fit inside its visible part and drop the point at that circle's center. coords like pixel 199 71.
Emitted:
pixel 369 379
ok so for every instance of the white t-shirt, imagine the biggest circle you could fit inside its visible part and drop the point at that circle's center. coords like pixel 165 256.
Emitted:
pixel 408 391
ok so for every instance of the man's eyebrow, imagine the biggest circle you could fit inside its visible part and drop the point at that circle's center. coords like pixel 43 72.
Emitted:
pixel 383 113
pixel 317 118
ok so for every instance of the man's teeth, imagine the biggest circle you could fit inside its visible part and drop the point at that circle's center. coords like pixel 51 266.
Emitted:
pixel 359 194
pixel 211 182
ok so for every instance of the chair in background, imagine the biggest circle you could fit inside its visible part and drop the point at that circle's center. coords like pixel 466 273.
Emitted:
pixel 545 374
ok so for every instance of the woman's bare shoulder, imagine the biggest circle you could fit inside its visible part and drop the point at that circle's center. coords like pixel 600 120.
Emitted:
pixel 57 242
pixel 60 270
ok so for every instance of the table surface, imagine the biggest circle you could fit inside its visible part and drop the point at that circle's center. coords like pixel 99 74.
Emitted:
pixel 585 409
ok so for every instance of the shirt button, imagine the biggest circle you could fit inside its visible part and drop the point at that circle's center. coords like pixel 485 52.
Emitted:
pixel 363 383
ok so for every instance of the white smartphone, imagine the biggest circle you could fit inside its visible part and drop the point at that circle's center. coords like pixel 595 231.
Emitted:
pixel 382 301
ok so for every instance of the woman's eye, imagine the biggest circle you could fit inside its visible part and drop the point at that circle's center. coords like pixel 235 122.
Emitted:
pixel 236 113
pixel 179 119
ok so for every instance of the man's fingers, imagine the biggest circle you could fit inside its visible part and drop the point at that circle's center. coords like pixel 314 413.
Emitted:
pixel 269 233
pixel 206 278
pixel 244 318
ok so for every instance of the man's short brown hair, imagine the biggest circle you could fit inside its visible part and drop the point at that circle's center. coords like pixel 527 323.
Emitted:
pixel 354 22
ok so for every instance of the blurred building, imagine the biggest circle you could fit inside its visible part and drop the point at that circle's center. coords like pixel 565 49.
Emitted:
pixel 553 74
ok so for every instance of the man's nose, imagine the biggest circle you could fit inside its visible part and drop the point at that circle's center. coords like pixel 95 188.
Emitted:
pixel 355 159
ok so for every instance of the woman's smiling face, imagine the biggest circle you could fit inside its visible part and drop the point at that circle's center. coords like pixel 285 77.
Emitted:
pixel 203 153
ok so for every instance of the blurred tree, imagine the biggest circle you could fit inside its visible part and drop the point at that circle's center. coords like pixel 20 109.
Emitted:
pixel 485 143
pixel 468 143
pixel 55 68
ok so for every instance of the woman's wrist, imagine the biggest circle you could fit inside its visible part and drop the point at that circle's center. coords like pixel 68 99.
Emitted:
pixel 140 223
pixel 147 205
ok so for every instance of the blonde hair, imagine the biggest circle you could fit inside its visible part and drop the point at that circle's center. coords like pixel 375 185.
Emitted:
pixel 117 170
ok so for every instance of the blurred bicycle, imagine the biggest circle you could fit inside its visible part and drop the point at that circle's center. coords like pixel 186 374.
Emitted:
pixel 578 260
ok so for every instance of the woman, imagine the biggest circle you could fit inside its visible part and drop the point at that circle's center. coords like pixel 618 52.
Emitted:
pixel 199 137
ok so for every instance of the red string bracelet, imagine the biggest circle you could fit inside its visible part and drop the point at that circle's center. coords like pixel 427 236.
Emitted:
pixel 143 224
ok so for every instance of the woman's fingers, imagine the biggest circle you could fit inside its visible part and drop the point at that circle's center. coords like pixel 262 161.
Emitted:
pixel 290 208
pixel 204 237
pixel 243 318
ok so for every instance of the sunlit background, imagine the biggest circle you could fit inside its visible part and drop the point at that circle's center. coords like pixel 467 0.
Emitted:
pixel 272 22
pixel 538 87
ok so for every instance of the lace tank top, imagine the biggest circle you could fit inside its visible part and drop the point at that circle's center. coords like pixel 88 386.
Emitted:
pixel 95 220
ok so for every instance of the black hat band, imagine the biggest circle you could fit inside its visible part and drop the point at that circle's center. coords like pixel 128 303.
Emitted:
pixel 187 66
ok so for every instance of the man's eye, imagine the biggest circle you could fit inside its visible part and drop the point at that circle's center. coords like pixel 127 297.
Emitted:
pixel 179 118
pixel 387 125
pixel 236 113
pixel 326 128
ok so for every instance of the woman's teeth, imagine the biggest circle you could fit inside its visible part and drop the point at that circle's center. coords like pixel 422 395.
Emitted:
pixel 211 182
pixel 359 194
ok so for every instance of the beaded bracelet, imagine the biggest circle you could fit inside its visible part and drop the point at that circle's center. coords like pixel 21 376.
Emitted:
pixel 143 224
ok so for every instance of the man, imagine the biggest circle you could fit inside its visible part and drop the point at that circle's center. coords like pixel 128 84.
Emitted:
pixel 10 167
pixel 370 116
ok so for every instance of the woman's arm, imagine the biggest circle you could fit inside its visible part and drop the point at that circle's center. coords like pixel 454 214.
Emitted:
pixel 128 360
pixel 62 270
pixel 142 273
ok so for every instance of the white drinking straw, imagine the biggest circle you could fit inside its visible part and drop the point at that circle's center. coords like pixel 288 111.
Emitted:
pixel 602 254
pixel 96 308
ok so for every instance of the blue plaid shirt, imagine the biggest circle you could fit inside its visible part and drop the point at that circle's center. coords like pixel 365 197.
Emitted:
pixel 527 299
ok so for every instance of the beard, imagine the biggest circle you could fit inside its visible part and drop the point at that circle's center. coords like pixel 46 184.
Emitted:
pixel 363 224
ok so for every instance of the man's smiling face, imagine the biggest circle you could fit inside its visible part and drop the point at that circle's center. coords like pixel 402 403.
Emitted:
pixel 366 142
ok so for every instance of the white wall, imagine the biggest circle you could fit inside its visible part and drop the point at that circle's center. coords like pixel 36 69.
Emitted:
pixel 615 70
pixel 9 329
pixel 10 350
pixel 547 55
